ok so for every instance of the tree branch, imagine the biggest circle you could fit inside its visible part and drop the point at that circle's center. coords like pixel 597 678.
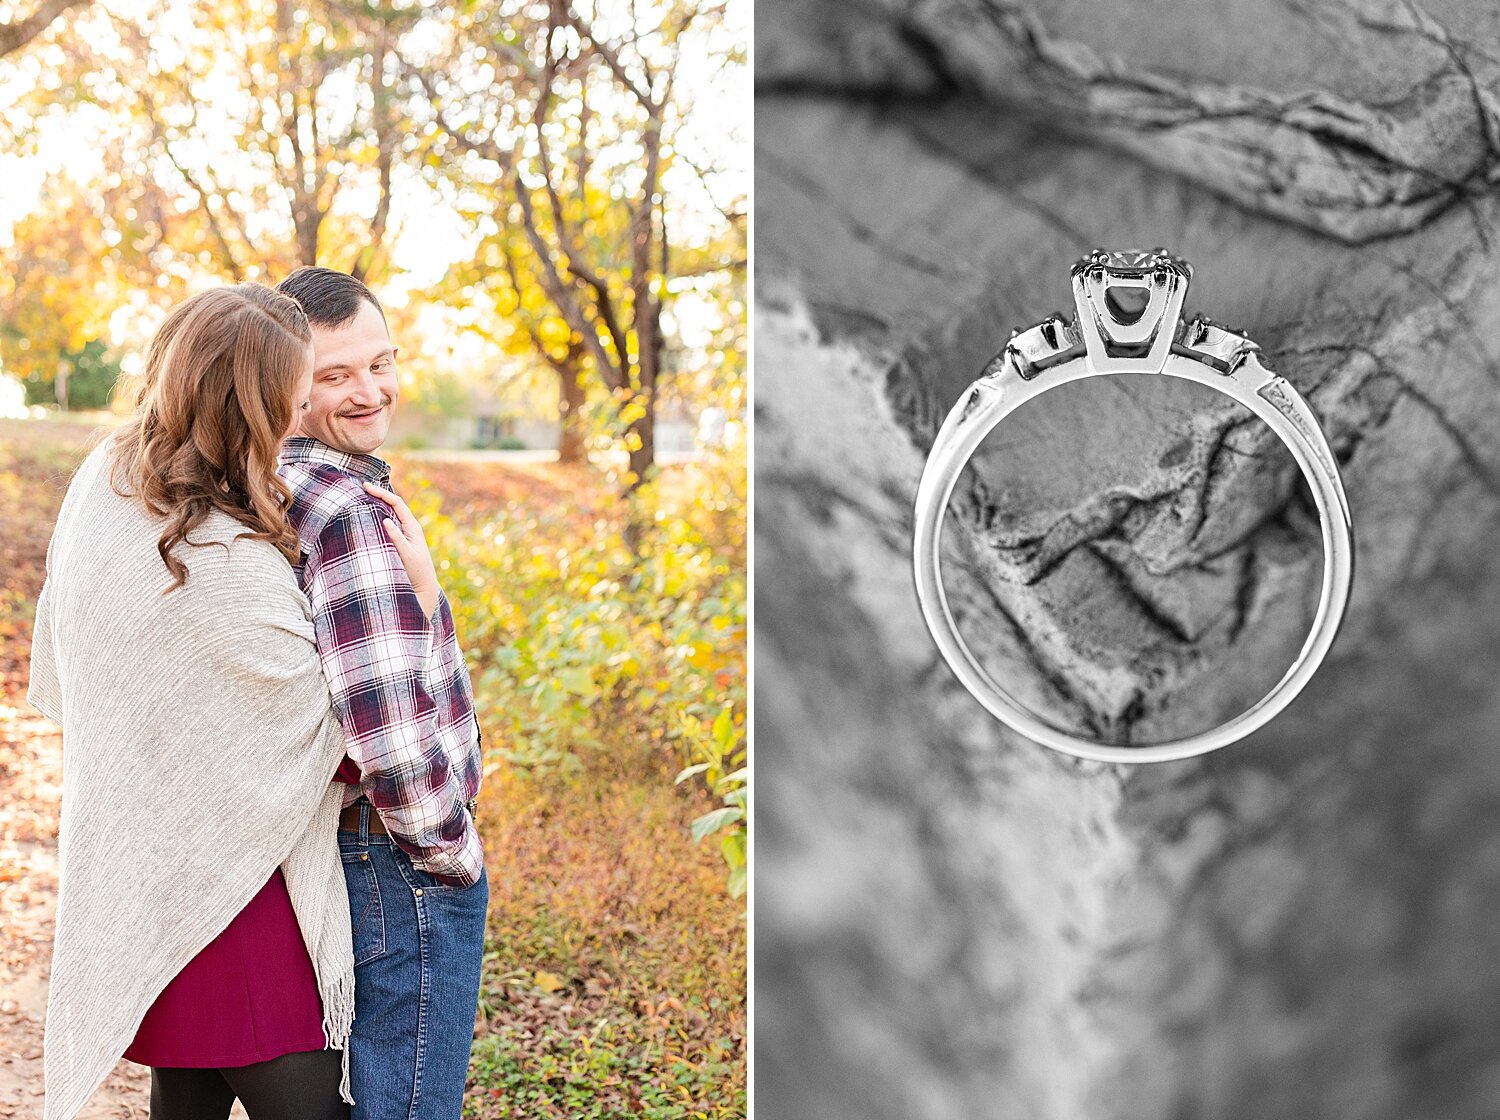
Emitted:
pixel 556 287
pixel 16 34
pixel 514 275
pixel 572 256
pixel 204 193
pixel 611 59
pixel 616 376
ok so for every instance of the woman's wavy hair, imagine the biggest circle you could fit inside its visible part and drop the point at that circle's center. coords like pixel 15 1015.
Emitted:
pixel 220 380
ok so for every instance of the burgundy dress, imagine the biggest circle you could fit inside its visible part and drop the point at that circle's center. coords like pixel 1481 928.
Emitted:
pixel 251 994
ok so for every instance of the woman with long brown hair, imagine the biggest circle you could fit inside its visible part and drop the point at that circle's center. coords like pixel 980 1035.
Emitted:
pixel 202 923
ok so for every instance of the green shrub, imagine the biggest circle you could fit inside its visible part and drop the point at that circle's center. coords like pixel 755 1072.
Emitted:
pixel 588 652
pixel 92 374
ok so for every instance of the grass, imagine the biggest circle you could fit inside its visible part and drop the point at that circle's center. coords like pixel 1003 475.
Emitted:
pixel 614 970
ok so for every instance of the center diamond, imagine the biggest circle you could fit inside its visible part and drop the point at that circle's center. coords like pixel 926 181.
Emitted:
pixel 1130 258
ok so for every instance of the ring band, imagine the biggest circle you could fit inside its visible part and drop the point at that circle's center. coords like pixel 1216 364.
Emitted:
pixel 1105 339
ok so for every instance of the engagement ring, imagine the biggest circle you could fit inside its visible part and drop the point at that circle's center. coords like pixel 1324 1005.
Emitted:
pixel 1129 307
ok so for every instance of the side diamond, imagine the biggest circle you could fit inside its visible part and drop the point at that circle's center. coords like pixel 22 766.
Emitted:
pixel 1050 342
pixel 1214 343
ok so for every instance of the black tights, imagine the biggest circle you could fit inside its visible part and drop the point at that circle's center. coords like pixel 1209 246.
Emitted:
pixel 302 1086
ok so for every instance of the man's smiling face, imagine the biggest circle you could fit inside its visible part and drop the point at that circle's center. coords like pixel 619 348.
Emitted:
pixel 355 385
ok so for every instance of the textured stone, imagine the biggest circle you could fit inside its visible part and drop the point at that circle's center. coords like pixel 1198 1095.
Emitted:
pixel 952 922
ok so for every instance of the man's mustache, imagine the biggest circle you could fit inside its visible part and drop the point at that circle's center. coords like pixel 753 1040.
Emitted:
pixel 385 402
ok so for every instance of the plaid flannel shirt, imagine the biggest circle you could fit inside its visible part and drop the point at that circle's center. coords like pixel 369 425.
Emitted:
pixel 398 679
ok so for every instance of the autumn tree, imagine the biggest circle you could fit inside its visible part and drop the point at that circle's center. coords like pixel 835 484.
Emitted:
pixel 233 142
pixel 56 296
pixel 269 127
pixel 228 142
pixel 556 123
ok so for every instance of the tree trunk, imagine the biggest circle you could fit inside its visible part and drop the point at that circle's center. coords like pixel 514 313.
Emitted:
pixel 642 430
pixel 302 176
pixel 642 438
pixel 385 141
pixel 952 921
pixel 570 442
pixel 309 220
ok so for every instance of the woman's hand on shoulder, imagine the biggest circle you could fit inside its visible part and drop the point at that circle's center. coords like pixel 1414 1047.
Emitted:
pixel 406 534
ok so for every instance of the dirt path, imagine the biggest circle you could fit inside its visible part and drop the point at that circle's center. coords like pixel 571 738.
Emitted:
pixel 30 791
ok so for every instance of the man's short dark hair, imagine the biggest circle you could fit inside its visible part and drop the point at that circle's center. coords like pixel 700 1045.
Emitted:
pixel 330 299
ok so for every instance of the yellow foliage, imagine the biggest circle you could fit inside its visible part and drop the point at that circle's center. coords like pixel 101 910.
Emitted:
pixel 61 289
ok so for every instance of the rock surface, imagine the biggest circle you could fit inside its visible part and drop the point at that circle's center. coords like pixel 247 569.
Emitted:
pixel 953 922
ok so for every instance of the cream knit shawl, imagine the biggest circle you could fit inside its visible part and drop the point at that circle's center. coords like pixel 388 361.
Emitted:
pixel 199 747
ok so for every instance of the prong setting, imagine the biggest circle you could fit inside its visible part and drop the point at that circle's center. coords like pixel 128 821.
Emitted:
pixel 1138 343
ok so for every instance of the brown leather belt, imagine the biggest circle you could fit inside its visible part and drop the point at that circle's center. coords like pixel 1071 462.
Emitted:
pixel 349 820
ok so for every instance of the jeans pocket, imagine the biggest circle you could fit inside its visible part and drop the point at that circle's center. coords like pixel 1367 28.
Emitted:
pixel 366 915
pixel 430 883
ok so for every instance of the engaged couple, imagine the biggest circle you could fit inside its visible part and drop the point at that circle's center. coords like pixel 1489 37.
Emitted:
pixel 272 887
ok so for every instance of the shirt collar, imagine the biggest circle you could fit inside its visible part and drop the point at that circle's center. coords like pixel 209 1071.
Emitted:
pixel 305 449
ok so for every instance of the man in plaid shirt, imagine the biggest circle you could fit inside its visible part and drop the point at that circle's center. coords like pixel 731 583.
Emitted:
pixel 413 860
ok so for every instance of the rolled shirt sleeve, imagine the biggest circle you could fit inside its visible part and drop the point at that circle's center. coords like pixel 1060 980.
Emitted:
pixel 376 643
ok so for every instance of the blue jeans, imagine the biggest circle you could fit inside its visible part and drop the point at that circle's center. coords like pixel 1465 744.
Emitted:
pixel 418 946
